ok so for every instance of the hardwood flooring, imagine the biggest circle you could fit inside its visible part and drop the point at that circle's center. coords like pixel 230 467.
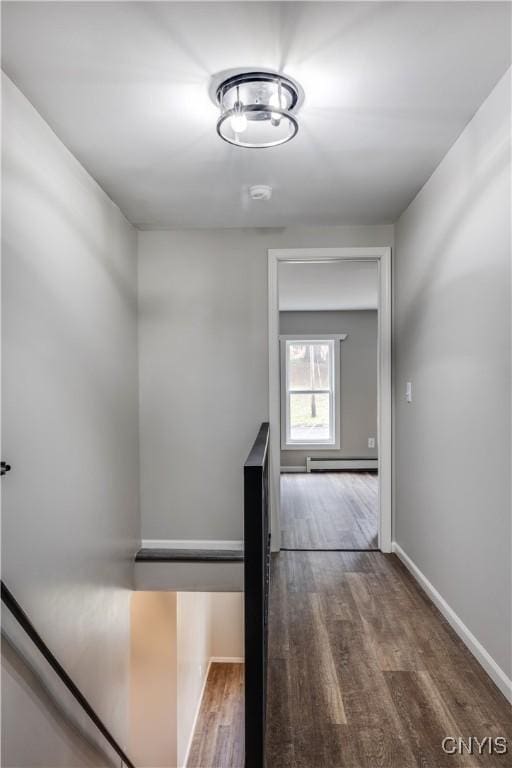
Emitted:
pixel 364 672
pixel 219 734
pixel 329 510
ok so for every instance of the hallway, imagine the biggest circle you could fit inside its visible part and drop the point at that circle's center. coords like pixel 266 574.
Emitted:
pixel 254 253
pixel 329 510
pixel 365 672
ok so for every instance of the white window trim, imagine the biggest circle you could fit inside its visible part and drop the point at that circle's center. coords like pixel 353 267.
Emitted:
pixel 335 340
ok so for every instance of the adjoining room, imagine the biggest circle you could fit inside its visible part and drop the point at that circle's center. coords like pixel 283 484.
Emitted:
pixel 328 335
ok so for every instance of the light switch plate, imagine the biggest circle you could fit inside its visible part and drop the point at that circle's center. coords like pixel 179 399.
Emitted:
pixel 408 392
pixel 371 442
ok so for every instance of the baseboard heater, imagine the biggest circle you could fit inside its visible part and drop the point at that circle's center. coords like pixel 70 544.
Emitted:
pixel 313 463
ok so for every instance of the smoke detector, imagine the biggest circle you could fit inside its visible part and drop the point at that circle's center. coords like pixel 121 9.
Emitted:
pixel 260 192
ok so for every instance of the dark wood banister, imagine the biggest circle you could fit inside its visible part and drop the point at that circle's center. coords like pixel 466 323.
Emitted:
pixel 23 620
pixel 256 586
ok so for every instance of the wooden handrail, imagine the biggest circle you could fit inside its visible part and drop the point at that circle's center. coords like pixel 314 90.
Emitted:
pixel 256 579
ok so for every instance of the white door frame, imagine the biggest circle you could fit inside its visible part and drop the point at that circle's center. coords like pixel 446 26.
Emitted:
pixel 382 255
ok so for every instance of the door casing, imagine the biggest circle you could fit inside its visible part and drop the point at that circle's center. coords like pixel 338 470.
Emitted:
pixel 382 256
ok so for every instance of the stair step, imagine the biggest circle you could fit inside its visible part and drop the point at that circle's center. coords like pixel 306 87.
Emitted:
pixel 146 555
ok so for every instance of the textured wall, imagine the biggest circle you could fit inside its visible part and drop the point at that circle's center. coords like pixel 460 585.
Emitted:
pixel 70 521
pixel 452 340
pixel 153 683
pixel 203 341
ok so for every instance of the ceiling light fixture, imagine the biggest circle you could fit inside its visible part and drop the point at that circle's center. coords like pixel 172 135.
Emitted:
pixel 256 109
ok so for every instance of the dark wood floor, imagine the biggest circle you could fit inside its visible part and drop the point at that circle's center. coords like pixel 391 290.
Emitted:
pixel 329 510
pixel 219 735
pixel 364 672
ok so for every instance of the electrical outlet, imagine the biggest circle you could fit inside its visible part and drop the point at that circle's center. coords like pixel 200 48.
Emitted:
pixel 371 442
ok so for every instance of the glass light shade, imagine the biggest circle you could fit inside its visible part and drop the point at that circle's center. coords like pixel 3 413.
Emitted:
pixel 257 109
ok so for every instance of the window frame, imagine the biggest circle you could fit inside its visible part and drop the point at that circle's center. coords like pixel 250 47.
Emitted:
pixel 334 340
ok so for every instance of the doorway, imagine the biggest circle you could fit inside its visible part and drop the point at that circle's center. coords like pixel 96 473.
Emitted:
pixel 328 490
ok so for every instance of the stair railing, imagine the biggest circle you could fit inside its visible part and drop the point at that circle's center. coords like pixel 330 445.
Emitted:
pixel 23 620
pixel 256 585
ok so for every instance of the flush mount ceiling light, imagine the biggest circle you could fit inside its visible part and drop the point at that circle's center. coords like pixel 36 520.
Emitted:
pixel 256 109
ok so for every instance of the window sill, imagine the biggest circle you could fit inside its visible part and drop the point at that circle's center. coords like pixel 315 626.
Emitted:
pixel 310 447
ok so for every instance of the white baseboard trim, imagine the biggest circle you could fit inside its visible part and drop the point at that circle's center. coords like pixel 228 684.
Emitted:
pixel 230 544
pixel 227 660
pixel 313 463
pixel 302 468
pixel 485 660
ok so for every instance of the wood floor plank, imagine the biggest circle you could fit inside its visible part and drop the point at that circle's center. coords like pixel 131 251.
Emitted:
pixel 218 740
pixel 427 720
pixel 383 616
pixel 329 682
pixel 364 672
pixel 368 705
pixel 329 510
pixel 359 627
pixel 280 737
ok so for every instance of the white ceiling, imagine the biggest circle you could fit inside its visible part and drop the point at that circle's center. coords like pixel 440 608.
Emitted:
pixel 388 87
pixel 328 285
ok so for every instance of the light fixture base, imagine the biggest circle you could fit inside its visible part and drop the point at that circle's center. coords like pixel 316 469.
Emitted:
pixel 260 192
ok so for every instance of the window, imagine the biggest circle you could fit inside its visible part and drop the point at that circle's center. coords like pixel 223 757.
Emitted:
pixel 310 387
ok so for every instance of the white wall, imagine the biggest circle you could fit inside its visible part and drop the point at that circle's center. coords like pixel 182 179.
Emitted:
pixel 227 638
pixel 70 504
pixel 153 682
pixel 452 340
pixel 204 368
pixel 194 652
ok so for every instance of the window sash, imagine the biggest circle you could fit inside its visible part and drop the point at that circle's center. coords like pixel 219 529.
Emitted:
pixel 328 441
pixel 331 440
pixel 310 391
